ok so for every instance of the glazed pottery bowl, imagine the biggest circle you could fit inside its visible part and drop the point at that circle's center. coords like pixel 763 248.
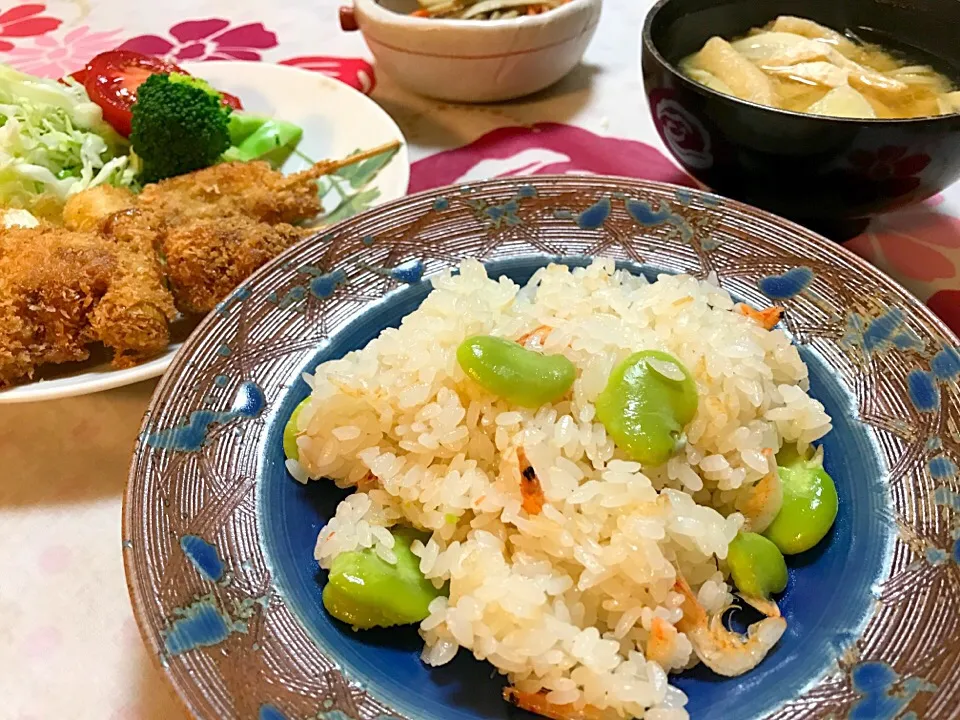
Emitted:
pixel 475 60
pixel 219 538
pixel 831 174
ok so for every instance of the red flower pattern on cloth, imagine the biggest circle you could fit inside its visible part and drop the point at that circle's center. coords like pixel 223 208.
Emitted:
pixel 946 304
pixel 920 247
pixel 890 168
pixel 542 149
pixel 355 72
pixel 54 57
pixel 211 39
pixel 916 243
pixel 24 21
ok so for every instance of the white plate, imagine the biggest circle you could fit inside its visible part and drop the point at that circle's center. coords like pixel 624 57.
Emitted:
pixel 336 120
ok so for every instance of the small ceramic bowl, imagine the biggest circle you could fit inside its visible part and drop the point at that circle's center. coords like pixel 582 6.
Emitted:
pixel 474 60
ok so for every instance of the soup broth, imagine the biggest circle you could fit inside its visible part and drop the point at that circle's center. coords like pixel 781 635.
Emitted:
pixel 796 64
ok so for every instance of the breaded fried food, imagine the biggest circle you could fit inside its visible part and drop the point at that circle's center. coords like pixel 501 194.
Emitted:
pixel 62 290
pixel 206 259
pixel 113 213
pixel 252 189
pixel 213 227
pixel 237 196
pixel 105 277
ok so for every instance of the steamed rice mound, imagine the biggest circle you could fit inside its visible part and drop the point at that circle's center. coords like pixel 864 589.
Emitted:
pixel 564 600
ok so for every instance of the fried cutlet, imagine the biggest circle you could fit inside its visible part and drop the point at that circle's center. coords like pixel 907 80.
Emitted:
pixel 206 259
pixel 105 276
pixel 62 290
pixel 213 227
pixel 252 189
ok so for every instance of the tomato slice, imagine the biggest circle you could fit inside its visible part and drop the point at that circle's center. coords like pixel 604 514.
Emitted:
pixel 231 100
pixel 112 79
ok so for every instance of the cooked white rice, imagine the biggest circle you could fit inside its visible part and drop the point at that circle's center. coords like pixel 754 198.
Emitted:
pixel 565 600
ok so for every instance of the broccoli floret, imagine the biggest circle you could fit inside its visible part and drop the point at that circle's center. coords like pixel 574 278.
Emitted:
pixel 196 82
pixel 180 124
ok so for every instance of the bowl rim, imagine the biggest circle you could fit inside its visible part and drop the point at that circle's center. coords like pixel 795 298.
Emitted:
pixel 647 43
pixel 372 8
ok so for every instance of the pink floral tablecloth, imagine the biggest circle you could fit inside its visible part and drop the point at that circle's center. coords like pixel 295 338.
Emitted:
pixel 69 647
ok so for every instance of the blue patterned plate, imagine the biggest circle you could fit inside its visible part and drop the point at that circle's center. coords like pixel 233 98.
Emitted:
pixel 218 539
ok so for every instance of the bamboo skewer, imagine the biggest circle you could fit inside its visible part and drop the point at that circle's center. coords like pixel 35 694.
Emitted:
pixel 325 167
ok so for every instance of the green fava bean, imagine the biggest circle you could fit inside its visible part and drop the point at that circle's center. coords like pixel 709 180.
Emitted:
pixel 365 591
pixel 290 432
pixel 508 370
pixel 810 502
pixel 756 565
pixel 645 410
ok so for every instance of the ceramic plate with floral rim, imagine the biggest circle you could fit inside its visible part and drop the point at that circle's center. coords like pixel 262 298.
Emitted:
pixel 219 539
pixel 336 120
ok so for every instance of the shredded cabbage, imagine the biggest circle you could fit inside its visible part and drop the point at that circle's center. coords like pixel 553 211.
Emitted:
pixel 53 143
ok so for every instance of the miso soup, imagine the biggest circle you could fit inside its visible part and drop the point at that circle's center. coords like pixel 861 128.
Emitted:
pixel 799 65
